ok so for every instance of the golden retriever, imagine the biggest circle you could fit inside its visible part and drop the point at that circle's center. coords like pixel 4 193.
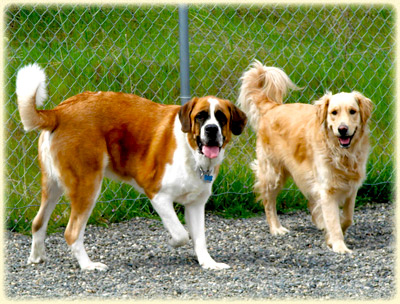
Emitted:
pixel 323 147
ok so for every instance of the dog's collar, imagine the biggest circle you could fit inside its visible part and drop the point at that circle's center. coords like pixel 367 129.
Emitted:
pixel 206 175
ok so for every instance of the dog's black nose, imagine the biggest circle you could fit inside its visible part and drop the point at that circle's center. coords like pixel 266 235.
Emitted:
pixel 211 129
pixel 343 130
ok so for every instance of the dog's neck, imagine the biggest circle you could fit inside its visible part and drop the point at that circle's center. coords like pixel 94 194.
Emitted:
pixel 206 167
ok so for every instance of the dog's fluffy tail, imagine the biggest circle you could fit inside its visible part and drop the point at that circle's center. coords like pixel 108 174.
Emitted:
pixel 31 92
pixel 262 87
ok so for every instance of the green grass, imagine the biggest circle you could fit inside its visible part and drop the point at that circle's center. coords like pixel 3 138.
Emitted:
pixel 135 49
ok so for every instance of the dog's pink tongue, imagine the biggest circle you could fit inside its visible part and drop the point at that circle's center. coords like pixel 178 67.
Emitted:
pixel 345 141
pixel 210 152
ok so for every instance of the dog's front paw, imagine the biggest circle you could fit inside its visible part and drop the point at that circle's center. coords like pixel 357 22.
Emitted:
pixel 214 265
pixel 178 242
pixel 340 247
pixel 37 257
pixel 95 266
pixel 36 260
pixel 279 230
pixel 37 254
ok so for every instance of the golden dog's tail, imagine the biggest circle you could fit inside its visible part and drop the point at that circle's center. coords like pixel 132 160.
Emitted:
pixel 31 92
pixel 262 87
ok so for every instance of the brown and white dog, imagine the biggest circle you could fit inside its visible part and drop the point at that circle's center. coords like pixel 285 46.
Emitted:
pixel 323 147
pixel 171 153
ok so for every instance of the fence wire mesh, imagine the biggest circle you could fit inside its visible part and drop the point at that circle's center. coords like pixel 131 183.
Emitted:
pixel 135 49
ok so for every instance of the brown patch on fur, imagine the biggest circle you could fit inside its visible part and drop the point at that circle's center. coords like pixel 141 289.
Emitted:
pixel 187 115
pixel 300 153
pixel 236 119
pixel 134 135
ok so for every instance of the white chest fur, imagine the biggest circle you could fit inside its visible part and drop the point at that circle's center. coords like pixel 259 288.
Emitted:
pixel 182 179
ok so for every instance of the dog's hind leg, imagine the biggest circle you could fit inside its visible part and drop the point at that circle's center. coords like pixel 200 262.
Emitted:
pixel 270 180
pixel 81 170
pixel 269 202
pixel 51 192
pixel 83 195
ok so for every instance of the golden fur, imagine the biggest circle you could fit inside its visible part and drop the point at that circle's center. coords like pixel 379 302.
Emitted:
pixel 304 142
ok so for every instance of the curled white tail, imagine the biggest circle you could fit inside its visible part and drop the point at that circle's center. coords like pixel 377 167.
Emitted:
pixel 31 92
pixel 262 86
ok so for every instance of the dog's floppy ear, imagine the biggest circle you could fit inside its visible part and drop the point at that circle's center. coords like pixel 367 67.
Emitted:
pixel 184 115
pixel 238 119
pixel 322 107
pixel 365 105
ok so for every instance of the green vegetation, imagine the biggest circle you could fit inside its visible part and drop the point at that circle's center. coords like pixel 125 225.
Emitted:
pixel 135 49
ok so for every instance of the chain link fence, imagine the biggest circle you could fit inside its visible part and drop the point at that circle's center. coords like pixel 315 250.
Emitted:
pixel 136 49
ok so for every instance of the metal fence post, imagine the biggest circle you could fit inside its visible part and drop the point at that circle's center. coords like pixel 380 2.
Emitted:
pixel 184 53
pixel 222 46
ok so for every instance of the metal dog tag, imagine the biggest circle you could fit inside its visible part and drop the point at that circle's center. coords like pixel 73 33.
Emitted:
pixel 206 175
pixel 208 178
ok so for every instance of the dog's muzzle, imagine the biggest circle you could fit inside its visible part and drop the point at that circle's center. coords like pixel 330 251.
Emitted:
pixel 344 138
pixel 210 144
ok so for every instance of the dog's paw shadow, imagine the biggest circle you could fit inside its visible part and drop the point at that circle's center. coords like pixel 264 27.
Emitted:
pixel 163 260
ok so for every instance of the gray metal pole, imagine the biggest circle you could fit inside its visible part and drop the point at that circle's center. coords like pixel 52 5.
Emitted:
pixel 184 53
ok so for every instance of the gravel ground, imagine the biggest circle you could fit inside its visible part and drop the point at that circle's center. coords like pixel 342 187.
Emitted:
pixel 143 266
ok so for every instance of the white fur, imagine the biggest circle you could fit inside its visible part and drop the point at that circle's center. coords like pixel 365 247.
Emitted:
pixel 181 179
pixel 37 254
pixel 47 157
pixel 211 121
pixel 84 261
pixel 30 89
pixel 31 80
pixel 181 183
pixel 54 192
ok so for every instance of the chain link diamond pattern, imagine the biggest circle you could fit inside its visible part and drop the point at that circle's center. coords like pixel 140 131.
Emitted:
pixel 135 49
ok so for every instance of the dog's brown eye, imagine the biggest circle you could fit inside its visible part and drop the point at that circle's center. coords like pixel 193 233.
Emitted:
pixel 221 118
pixel 334 113
pixel 352 112
pixel 202 116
